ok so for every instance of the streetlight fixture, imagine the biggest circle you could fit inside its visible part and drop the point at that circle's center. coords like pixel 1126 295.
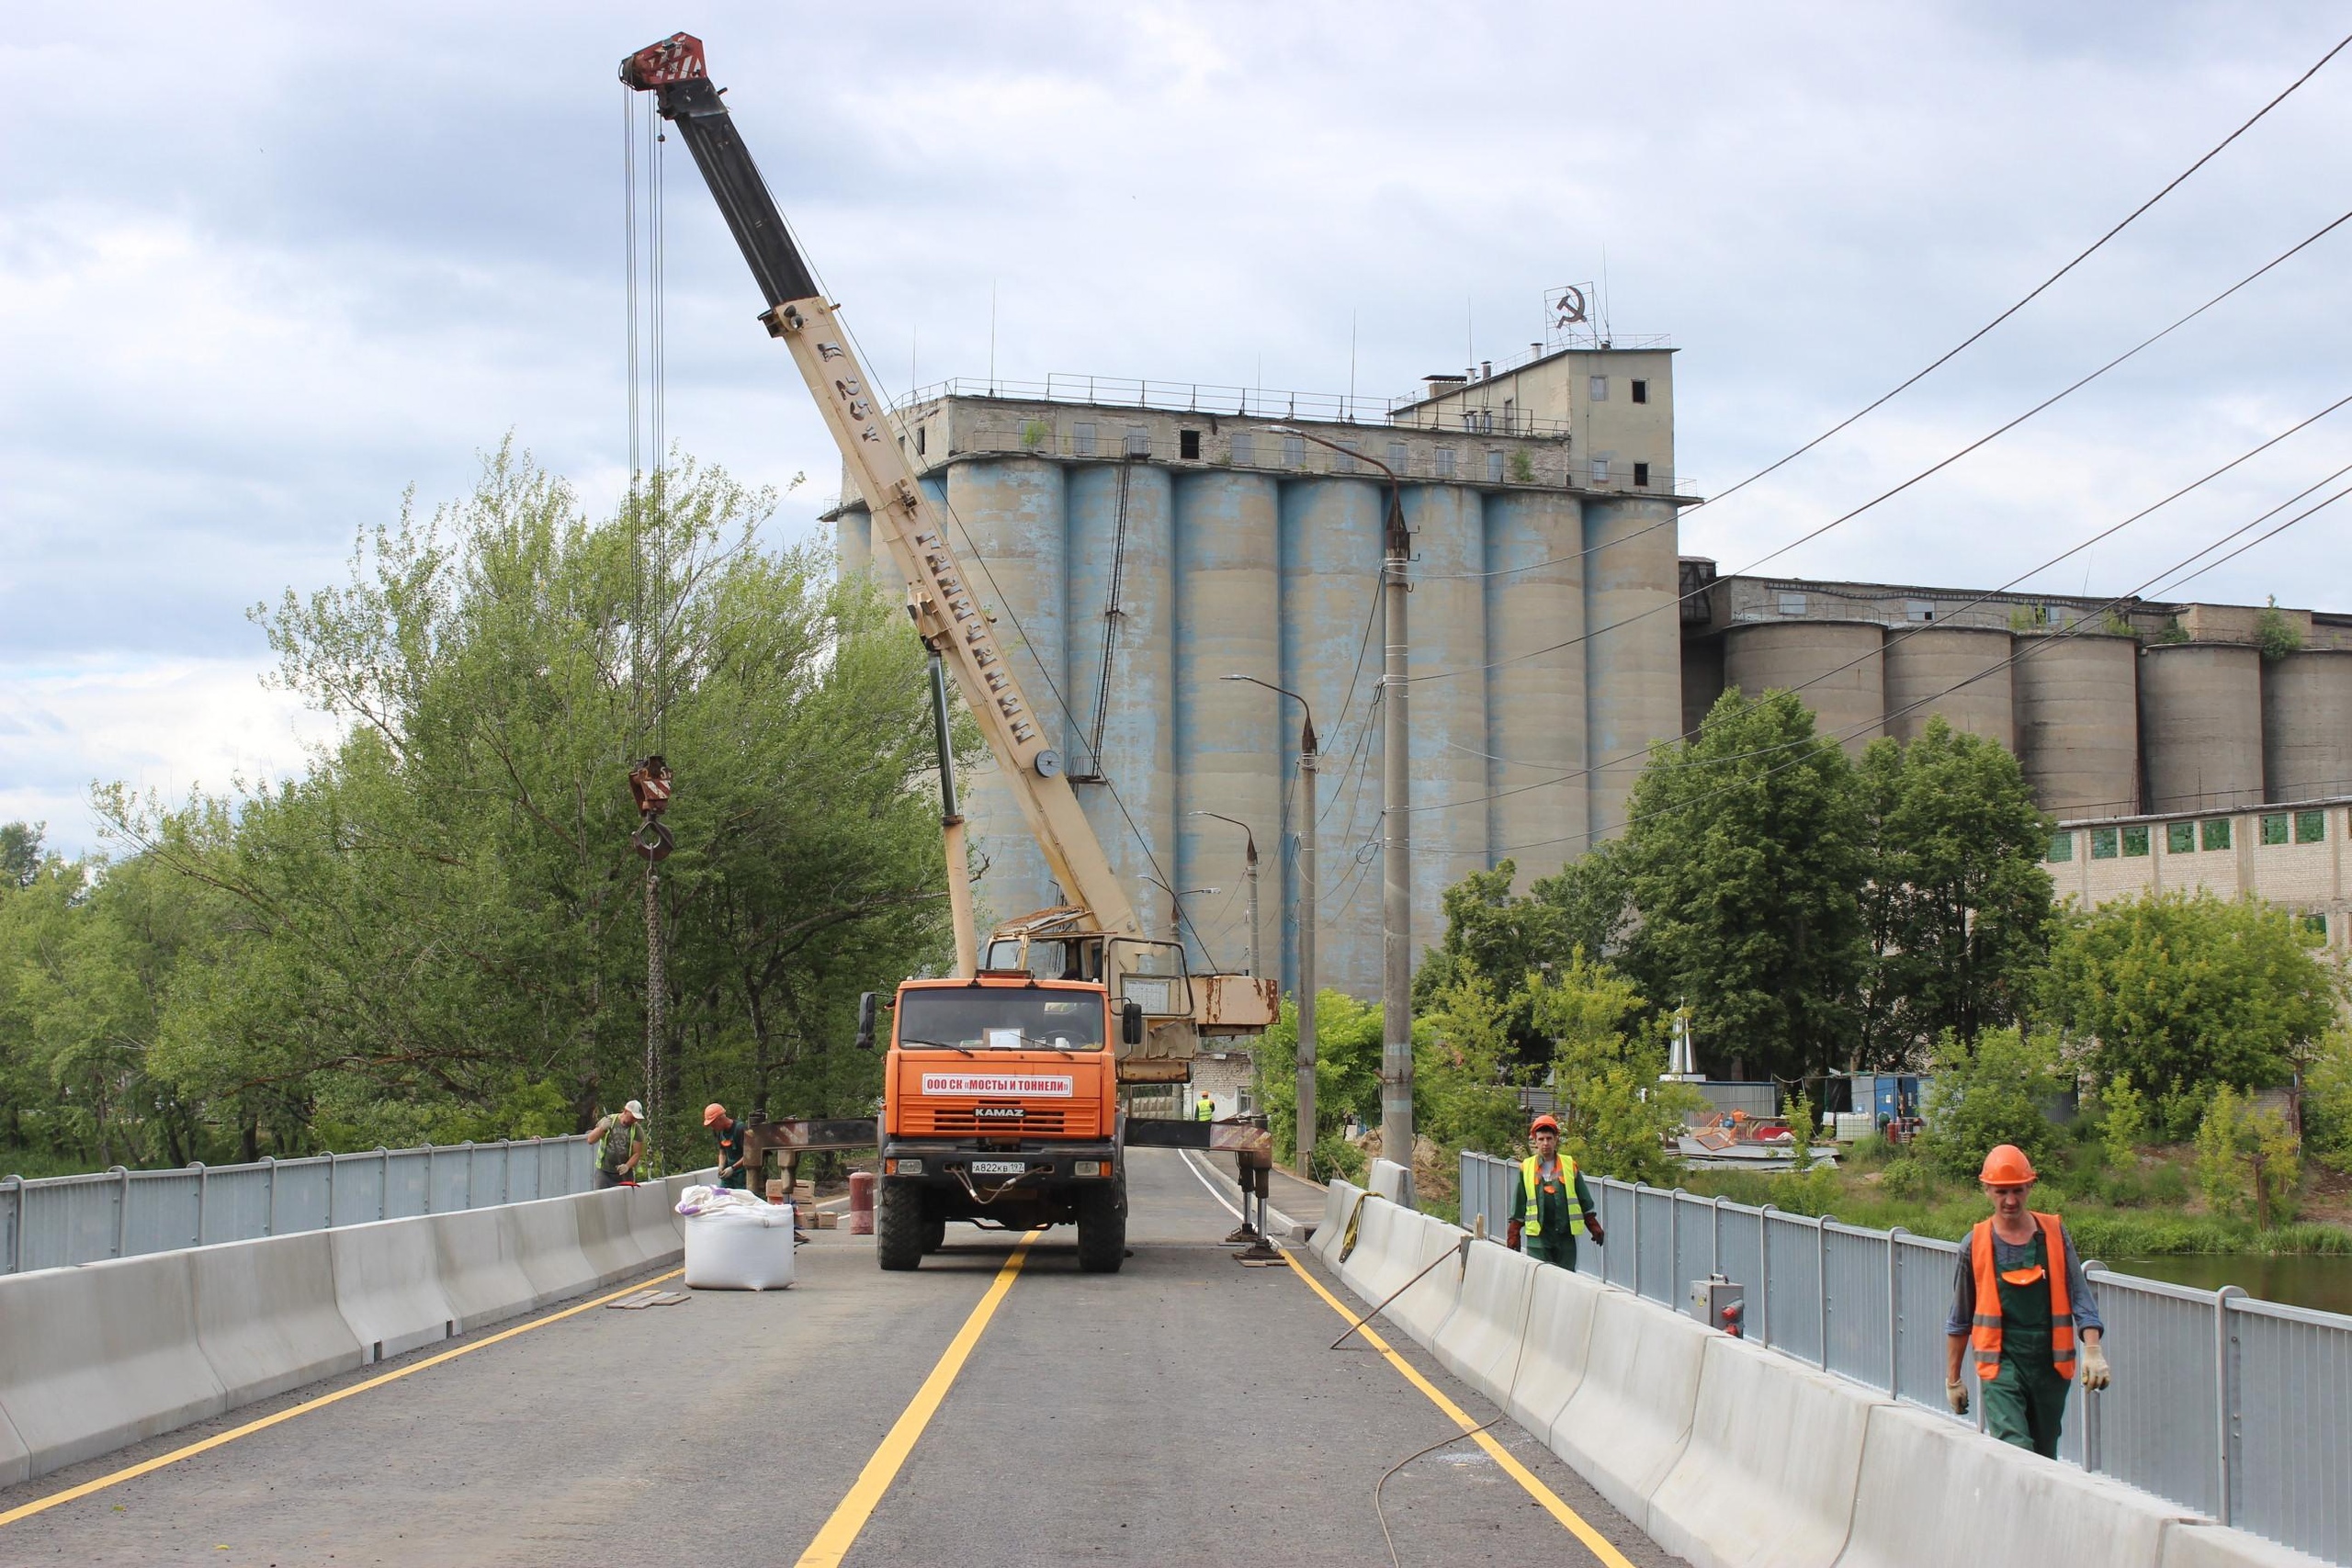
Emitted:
pixel 1249 878
pixel 1396 831
pixel 1307 760
pixel 1176 902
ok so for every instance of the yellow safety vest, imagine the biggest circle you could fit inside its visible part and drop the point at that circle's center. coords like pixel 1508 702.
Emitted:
pixel 1206 1112
pixel 1531 1222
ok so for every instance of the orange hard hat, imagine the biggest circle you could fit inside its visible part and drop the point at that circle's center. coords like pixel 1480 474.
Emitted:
pixel 712 1113
pixel 1545 1123
pixel 2006 1165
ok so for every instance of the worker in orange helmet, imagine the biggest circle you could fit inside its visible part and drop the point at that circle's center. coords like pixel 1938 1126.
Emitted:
pixel 729 1133
pixel 1551 1205
pixel 2019 1299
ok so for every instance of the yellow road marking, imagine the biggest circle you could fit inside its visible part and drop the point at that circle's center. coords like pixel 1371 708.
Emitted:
pixel 841 1531
pixel 1596 1543
pixel 42 1505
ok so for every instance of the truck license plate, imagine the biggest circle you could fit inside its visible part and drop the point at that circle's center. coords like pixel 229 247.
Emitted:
pixel 998 1167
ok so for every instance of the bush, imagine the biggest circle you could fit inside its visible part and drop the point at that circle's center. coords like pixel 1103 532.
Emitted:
pixel 1913 1178
pixel 2246 1160
pixel 1991 1093
pixel 1335 1159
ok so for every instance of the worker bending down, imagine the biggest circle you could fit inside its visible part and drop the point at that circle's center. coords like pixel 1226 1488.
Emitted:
pixel 1551 1206
pixel 2019 1299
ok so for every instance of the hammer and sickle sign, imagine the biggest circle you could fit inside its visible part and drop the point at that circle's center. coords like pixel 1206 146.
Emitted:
pixel 1568 307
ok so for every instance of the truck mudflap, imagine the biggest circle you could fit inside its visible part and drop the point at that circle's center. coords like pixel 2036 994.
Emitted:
pixel 1220 1137
pixel 800 1135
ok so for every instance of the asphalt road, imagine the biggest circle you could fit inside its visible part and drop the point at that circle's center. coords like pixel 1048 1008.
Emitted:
pixel 1183 1410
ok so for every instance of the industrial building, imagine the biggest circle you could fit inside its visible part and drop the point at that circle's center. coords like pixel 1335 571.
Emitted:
pixel 1138 542
pixel 2290 854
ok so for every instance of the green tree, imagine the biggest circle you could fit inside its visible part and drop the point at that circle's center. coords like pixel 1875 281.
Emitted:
pixel 21 853
pixel 1615 1116
pixel 2246 1159
pixel 1347 1071
pixel 2327 1100
pixel 2186 990
pixel 1956 903
pixel 1745 857
pixel 1494 936
pixel 2124 1122
pixel 1464 1090
pixel 1992 1090
pixel 1591 903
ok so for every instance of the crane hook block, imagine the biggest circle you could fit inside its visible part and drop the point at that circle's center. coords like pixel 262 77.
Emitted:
pixel 677 58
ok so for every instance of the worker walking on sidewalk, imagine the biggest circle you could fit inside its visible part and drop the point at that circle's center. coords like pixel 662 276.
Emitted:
pixel 1551 1205
pixel 2020 1301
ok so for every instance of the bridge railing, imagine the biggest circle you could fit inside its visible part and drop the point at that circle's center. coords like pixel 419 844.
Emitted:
pixel 2238 1408
pixel 60 1220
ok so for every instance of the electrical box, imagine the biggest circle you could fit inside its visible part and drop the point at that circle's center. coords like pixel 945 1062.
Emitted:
pixel 1719 1304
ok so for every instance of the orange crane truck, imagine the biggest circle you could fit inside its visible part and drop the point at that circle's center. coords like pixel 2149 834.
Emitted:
pixel 1001 1093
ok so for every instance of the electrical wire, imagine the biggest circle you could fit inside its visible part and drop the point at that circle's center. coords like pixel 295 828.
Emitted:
pixel 1954 352
pixel 1889 495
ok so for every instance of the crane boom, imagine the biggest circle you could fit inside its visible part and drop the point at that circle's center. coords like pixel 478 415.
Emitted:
pixel 947 611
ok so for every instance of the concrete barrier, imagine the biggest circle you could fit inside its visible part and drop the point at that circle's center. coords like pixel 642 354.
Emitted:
pixel 387 1285
pixel 15 1457
pixel 1480 1343
pixel 654 1220
pixel 266 1317
pixel 478 1255
pixel 101 1355
pixel 1560 1307
pixel 607 1237
pixel 1933 1492
pixel 1768 1477
pixel 1340 1205
pixel 547 1249
pixel 1388 1179
pixel 1388 1244
pixel 1630 1417
pixel 1422 1310
pixel 2218 1546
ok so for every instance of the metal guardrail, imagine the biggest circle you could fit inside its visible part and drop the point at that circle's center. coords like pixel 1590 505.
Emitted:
pixel 56 1221
pixel 2238 1408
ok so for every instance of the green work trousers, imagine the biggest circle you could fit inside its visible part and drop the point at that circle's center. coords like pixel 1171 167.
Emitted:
pixel 2025 1402
pixel 1559 1251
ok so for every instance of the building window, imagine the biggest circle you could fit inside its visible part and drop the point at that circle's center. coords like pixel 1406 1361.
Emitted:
pixel 1138 441
pixel 2217 833
pixel 1343 461
pixel 2274 826
pixel 2316 925
pixel 1188 443
pixel 921 432
pixel 2180 838
pixel 2105 843
pixel 1919 610
pixel 1793 604
pixel 1600 470
pixel 1641 392
pixel 1445 462
pixel 1641 475
pixel 1081 440
pixel 1396 456
pixel 1245 450
pixel 1494 467
pixel 1293 451
pixel 2311 826
pixel 2135 843
pixel 1600 388
pixel 2062 847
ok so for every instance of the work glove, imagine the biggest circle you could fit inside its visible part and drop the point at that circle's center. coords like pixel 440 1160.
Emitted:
pixel 1956 1395
pixel 1510 1236
pixel 2095 1370
pixel 1597 1240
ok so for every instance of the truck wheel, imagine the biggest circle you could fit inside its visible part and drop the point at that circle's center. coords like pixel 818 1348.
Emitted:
pixel 898 1226
pixel 935 1233
pixel 1102 1227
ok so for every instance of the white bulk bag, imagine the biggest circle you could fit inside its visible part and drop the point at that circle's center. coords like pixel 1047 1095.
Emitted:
pixel 740 1248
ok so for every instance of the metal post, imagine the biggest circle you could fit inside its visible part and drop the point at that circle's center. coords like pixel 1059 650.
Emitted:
pixel 505 1170
pixel 202 1181
pixel 2091 1444
pixel 1764 1275
pixel 334 1163
pixel 16 1234
pixel 1395 858
pixel 1894 1315
pixel 1821 1282
pixel 1637 1242
pixel 269 1220
pixel 1250 879
pixel 383 1182
pixel 1715 1234
pixel 121 1207
pixel 428 1179
pixel 2225 1395
pixel 1309 761
pixel 1673 1246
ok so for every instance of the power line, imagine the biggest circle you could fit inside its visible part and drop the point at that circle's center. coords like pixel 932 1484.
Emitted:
pixel 1923 474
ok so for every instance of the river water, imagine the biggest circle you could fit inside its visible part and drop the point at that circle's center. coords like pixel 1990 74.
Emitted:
pixel 2301 1280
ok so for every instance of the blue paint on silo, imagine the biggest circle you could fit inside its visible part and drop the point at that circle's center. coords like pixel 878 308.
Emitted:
pixel 1133 813
pixel 1012 537
pixel 1535 696
pixel 852 543
pixel 1632 652
pixel 1228 744
pixel 1330 655
pixel 1448 634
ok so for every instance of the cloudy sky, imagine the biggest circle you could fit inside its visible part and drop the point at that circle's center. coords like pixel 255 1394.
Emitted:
pixel 262 268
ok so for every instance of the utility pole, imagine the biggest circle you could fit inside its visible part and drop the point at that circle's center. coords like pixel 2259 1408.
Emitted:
pixel 1250 879
pixel 1308 758
pixel 1395 857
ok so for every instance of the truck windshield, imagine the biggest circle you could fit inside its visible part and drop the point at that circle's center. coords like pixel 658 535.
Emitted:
pixel 1000 1018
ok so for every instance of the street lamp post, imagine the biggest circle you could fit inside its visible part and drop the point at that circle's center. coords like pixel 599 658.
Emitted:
pixel 1176 908
pixel 1308 761
pixel 1249 876
pixel 1396 829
